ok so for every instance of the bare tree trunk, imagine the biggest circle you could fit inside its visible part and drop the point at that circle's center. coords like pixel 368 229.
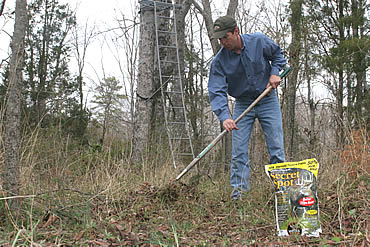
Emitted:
pixel 144 104
pixel 231 9
pixel 13 112
pixel 294 54
pixel 340 89
pixel 312 105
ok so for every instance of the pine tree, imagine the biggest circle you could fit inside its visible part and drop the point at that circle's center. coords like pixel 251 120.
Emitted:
pixel 108 108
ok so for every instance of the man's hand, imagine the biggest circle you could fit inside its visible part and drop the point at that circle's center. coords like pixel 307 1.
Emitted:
pixel 229 124
pixel 274 81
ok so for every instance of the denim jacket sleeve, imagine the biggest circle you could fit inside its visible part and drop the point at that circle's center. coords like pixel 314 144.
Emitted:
pixel 274 54
pixel 217 90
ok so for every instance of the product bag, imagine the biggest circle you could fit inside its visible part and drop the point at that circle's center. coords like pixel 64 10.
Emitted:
pixel 296 203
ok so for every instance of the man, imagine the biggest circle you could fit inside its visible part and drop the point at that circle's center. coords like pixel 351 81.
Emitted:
pixel 243 68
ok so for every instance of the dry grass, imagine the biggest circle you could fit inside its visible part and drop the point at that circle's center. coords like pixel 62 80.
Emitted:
pixel 82 197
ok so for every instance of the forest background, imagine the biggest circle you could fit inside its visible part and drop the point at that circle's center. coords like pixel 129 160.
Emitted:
pixel 84 153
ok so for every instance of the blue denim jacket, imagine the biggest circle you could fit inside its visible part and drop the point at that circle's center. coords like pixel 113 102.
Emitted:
pixel 245 74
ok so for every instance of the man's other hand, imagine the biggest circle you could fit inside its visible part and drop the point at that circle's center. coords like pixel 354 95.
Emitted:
pixel 274 81
pixel 229 124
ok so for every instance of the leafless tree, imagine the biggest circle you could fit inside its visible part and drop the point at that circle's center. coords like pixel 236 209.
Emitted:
pixel 125 51
pixel 82 38
pixel 294 56
pixel 13 111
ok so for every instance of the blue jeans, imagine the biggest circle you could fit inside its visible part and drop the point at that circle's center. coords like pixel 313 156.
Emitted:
pixel 268 112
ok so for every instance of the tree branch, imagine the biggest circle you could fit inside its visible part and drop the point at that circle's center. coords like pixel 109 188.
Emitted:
pixel 231 9
pixel 2 6
pixel 198 7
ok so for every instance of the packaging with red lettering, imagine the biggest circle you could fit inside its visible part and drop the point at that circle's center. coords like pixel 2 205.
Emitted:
pixel 296 203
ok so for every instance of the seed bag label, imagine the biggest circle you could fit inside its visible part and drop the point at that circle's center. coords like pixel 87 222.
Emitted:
pixel 296 203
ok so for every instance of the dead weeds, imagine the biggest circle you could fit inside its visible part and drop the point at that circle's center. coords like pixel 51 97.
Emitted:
pixel 181 214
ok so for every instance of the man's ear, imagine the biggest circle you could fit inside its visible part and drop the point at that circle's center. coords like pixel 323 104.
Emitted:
pixel 236 30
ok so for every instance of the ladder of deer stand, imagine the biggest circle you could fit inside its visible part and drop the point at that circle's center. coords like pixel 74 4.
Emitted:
pixel 171 81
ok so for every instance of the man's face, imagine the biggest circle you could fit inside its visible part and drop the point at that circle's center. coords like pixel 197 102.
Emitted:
pixel 229 41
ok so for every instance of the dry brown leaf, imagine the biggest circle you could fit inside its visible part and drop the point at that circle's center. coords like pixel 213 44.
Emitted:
pixel 52 218
pixel 79 235
pixel 99 242
pixel 119 227
pixel 163 228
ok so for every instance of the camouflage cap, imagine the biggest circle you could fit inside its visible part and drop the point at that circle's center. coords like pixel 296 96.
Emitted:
pixel 223 25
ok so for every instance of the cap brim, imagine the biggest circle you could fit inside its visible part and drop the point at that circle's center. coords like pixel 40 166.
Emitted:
pixel 219 34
